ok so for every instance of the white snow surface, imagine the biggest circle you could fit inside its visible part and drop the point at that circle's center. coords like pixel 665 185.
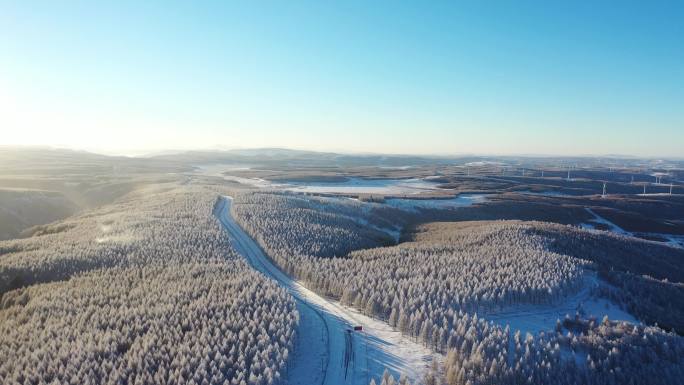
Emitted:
pixel 599 219
pixel 326 351
pixel 366 186
pixel 484 163
pixel 220 170
pixel 537 318
pixel 350 186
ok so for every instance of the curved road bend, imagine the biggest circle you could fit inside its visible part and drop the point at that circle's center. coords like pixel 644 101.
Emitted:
pixel 325 349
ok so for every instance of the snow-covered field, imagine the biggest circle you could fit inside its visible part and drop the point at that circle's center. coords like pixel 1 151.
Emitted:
pixel 324 354
pixel 366 186
pixel 219 169
pixel 537 318
pixel 350 186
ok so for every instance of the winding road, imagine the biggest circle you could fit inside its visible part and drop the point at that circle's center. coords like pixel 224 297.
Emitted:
pixel 326 349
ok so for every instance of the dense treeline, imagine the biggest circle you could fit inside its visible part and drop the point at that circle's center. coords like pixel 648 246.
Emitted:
pixel 433 289
pixel 164 325
pixel 473 270
pixel 579 352
pixel 144 291
pixel 306 226
pixel 150 225
pixel 470 274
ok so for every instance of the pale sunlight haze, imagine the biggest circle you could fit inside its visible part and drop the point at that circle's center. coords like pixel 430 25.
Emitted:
pixel 395 77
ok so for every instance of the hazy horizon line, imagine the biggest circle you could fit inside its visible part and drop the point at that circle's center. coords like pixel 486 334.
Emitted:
pixel 141 154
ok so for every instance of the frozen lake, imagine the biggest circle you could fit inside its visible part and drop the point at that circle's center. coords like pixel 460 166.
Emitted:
pixel 350 186
pixel 365 186
pixel 410 186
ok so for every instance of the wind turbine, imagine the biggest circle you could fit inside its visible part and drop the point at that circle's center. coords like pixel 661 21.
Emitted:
pixel 670 188
pixel 604 190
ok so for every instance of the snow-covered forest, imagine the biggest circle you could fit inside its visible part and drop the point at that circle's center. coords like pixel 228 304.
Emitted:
pixel 151 225
pixel 439 288
pixel 149 290
pixel 145 290
pixel 646 278
pixel 313 226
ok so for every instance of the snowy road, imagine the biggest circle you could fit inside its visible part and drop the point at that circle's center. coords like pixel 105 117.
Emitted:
pixel 326 351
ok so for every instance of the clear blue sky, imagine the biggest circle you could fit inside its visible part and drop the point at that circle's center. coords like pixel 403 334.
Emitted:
pixel 492 77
